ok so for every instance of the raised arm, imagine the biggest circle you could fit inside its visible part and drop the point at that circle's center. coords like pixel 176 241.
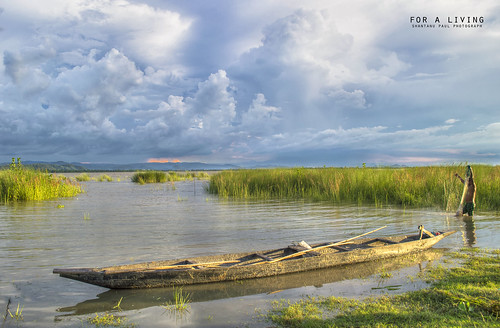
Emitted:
pixel 456 174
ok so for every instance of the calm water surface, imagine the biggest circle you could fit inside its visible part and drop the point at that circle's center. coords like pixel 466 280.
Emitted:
pixel 120 222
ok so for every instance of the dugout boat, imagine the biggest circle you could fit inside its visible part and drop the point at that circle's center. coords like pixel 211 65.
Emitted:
pixel 238 266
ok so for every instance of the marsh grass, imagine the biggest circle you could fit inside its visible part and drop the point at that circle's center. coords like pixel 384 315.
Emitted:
pixel 149 177
pixel 432 186
pixel 86 177
pixel 104 178
pixel 83 177
pixel 464 296
pixel 21 184
pixel 171 176
pixel 118 305
pixel 110 320
pixel 17 315
pixel 181 303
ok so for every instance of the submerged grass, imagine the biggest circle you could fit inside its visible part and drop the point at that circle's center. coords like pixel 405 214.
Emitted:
pixel 464 296
pixel 432 186
pixel 20 184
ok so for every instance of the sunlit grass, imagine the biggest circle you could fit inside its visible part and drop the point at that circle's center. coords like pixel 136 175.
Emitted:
pixel 149 177
pixel 18 314
pixel 432 186
pixel 21 184
pixel 83 177
pixel 86 177
pixel 15 316
pixel 171 176
pixel 181 302
pixel 104 178
pixel 109 320
pixel 464 296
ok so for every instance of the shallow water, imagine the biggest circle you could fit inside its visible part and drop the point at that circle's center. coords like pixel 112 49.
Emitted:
pixel 121 222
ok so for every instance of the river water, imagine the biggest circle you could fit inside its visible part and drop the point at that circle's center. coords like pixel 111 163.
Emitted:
pixel 121 222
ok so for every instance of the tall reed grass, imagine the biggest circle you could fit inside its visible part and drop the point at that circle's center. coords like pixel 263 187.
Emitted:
pixel 21 184
pixel 149 177
pixel 171 176
pixel 432 186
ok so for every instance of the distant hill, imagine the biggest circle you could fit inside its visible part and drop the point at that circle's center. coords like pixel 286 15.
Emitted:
pixel 50 166
pixel 181 166
pixel 82 167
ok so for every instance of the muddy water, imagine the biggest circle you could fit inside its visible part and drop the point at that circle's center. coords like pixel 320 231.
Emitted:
pixel 120 222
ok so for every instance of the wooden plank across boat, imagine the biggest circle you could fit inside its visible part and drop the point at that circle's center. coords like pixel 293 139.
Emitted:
pixel 238 266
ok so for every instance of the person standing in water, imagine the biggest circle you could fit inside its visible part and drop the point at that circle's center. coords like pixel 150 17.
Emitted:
pixel 470 196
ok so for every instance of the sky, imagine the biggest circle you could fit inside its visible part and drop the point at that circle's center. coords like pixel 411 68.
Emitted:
pixel 251 82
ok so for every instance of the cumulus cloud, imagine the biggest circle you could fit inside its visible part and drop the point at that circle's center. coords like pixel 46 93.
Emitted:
pixel 305 62
pixel 260 119
pixel 129 80
pixel 146 34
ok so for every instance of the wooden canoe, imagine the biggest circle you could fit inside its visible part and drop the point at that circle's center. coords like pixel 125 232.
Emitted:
pixel 238 266
pixel 137 299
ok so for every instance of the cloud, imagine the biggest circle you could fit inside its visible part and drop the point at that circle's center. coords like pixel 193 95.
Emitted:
pixel 190 124
pixel 131 80
pixel 311 68
pixel 148 35
pixel 260 119
pixel 383 146
pixel 73 108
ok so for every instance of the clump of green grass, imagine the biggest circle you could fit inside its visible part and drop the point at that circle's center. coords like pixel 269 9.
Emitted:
pixel 109 320
pixel 182 176
pixel 104 178
pixel 181 303
pixel 463 296
pixel 432 186
pixel 171 176
pixel 149 177
pixel 83 177
pixel 21 184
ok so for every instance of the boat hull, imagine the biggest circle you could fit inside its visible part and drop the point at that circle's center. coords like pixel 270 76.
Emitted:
pixel 241 266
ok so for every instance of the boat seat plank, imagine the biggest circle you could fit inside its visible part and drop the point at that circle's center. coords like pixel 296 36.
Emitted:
pixel 339 248
pixel 193 264
pixel 383 240
pixel 297 248
pixel 387 241
pixel 264 257
pixel 184 265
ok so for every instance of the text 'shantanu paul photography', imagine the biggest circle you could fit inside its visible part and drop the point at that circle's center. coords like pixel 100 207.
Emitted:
pixel 237 163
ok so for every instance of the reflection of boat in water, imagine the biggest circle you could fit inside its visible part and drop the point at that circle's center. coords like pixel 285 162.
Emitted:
pixel 135 299
pixel 239 266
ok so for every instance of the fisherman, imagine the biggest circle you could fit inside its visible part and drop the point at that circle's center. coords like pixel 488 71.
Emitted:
pixel 470 196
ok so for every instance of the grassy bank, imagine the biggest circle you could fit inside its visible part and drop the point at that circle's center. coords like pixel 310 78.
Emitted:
pixel 465 296
pixel 160 176
pixel 20 184
pixel 434 186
